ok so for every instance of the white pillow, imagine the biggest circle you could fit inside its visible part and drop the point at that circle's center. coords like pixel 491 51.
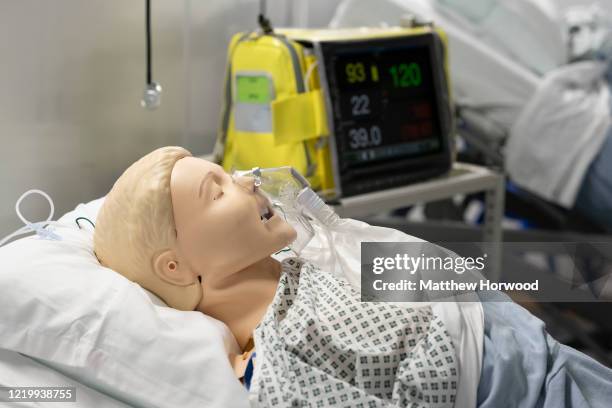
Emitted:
pixel 60 306
pixel 17 370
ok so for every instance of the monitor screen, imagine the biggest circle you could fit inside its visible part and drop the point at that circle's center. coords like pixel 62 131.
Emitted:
pixel 389 109
pixel 384 101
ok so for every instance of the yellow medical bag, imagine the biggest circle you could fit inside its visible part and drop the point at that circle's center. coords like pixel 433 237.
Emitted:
pixel 271 116
pixel 279 108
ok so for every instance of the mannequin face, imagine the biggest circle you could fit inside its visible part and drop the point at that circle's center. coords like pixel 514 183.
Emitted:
pixel 218 220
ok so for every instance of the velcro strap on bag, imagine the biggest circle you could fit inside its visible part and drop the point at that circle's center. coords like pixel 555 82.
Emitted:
pixel 298 118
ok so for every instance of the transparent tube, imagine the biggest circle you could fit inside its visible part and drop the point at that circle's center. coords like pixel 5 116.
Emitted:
pixel 324 215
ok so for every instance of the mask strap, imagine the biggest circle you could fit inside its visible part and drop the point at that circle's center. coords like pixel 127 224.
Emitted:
pixel 37 227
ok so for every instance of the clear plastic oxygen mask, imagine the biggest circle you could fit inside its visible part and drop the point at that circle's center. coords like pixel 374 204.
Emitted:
pixel 291 197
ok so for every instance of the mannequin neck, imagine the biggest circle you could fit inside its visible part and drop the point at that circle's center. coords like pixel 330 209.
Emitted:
pixel 240 300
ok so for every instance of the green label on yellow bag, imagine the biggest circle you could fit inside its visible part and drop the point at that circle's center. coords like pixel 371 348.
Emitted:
pixel 253 89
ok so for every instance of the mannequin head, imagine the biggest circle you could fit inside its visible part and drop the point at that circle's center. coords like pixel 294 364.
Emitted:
pixel 174 223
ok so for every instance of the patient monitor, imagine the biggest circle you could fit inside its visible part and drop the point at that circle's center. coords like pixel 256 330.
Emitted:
pixel 354 110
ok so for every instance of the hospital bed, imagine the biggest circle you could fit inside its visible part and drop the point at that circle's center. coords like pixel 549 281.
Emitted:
pixel 72 322
pixel 68 321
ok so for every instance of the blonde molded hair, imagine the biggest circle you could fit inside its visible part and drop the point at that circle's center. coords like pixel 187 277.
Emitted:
pixel 136 221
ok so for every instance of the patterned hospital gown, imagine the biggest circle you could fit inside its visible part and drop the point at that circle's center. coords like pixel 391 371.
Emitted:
pixel 319 346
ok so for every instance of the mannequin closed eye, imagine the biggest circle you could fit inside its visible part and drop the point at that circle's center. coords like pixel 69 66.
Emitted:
pixel 210 187
pixel 205 184
pixel 214 185
pixel 217 193
pixel 213 191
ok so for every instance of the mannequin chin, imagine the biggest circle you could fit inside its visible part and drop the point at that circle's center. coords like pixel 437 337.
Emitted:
pixel 196 237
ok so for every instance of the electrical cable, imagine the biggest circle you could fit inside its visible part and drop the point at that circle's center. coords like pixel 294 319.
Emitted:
pixel 84 219
pixel 151 98
pixel 148 40
pixel 263 21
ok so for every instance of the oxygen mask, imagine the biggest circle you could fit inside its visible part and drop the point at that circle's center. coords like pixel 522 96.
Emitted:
pixel 285 188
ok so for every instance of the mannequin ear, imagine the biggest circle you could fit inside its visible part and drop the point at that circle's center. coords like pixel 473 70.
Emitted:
pixel 170 270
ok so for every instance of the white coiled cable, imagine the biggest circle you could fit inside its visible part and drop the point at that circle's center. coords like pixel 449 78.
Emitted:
pixel 37 227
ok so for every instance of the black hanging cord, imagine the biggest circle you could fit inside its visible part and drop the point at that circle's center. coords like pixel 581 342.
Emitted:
pixel 148 39
pixel 263 21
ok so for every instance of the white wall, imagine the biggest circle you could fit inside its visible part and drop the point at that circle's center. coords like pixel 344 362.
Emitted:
pixel 71 78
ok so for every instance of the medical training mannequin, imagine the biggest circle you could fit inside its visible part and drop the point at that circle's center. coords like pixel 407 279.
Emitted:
pixel 197 238
pixel 202 240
